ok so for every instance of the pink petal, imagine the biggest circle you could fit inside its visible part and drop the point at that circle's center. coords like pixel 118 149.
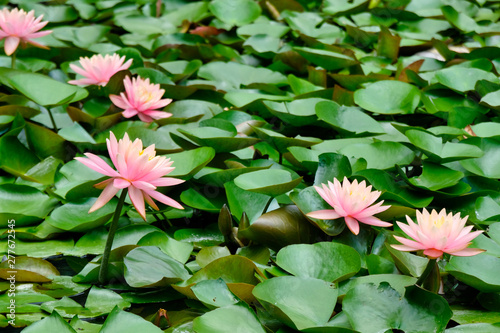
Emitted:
pixel 371 220
pixel 11 44
pixel 87 162
pixel 375 209
pixel 352 224
pixel 407 230
pixel 107 194
pixel 164 199
pixel 122 165
pixel 129 113
pixel 326 214
pixel 166 181
pixel 403 247
pixel 119 101
pixel 157 114
pixel 467 252
pixel 145 186
pixel 145 118
pixel 137 199
pixel 121 183
pixel 433 253
pixel 410 243
pixel 103 165
pixel 150 201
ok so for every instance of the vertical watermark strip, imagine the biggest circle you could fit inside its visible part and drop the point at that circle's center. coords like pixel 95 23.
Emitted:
pixel 11 260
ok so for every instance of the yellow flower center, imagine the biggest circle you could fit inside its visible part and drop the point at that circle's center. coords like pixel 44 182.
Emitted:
pixel 439 222
pixel 145 94
pixel 150 156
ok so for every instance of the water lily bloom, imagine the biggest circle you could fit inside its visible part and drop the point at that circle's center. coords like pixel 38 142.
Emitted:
pixel 137 169
pixel 98 70
pixel 352 201
pixel 17 26
pixel 437 234
pixel 141 98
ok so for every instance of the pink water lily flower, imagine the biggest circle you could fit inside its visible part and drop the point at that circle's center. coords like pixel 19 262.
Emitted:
pixel 17 26
pixel 98 70
pixel 137 169
pixel 352 201
pixel 437 234
pixel 141 98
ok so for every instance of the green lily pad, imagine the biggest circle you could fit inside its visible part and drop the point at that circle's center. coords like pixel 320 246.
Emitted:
pixel 232 75
pixel 388 97
pixel 331 262
pixel 375 309
pixel 167 270
pixel 308 200
pixel 239 273
pixel 439 152
pixel 188 163
pixel 347 119
pixel 383 181
pixel 298 112
pixel 463 79
pixel 239 12
pixel 214 293
pixel 53 323
pixel 27 269
pixel 271 182
pixel 220 140
pixel 281 142
pixel 126 322
pixel 209 236
pixel 241 201
pixel 479 271
pixel 210 203
pixel 486 165
pixel 75 216
pixel 218 177
pixel 211 253
pixel 397 282
pixel 24 204
pixel 311 304
pixel 329 60
pixel 279 228
pixel 42 89
pixel 229 319
pixel 380 155
pixel 180 251
pixel 436 177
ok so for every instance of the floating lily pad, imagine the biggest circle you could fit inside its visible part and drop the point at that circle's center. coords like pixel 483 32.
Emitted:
pixel 347 119
pixel 75 216
pixel 374 309
pixel 220 140
pixel 311 304
pixel 331 262
pixel 27 269
pixel 229 319
pixel 388 97
pixel 271 182
pixel 167 270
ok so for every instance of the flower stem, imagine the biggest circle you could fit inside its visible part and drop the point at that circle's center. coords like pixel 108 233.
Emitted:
pixel 267 205
pixel 52 120
pixel 13 60
pixel 103 271
pixel 425 274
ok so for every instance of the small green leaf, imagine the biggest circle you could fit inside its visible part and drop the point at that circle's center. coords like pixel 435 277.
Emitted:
pixel 235 12
pixel 388 97
pixel 310 304
pixel 331 262
pixel 271 182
